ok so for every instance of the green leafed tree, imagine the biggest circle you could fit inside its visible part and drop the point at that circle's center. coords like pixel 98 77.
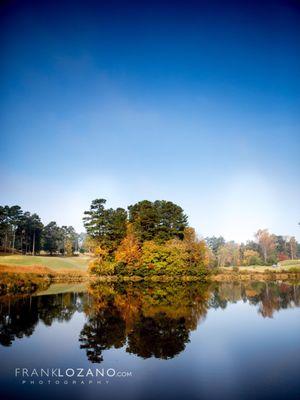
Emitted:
pixel 160 220
pixel 214 243
pixel 30 233
pixel 52 238
pixel 106 226
pixel 10 218
pixel 69 240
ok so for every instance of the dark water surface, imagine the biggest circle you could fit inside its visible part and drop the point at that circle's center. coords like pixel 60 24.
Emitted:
pixel 162 341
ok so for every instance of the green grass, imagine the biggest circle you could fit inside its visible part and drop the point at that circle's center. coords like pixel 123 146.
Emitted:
pixel 283 265
pixel 55 263
pixel 290 263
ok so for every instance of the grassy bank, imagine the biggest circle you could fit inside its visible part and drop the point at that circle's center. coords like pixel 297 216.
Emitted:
pixel 233 275
pixel 288 270
pixel 54 263
pixel 27 274
pixel 286 266
pixel 34 278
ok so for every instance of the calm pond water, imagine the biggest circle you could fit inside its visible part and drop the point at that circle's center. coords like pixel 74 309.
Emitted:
pixel 152 341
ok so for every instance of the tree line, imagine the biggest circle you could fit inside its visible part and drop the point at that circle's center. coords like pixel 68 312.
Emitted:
pixel 265 249
pixel 147 234
pixel 25 233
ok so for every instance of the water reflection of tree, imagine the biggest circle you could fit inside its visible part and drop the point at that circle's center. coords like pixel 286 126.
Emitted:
pixel 104 330
pixel 59 307
pixel 277 297
pixel 268 296
pixel 156 319
pixel 16 321
pixel 159 336
pixel 19 317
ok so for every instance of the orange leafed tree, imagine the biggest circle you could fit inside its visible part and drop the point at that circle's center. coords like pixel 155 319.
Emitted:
pixel 196 248
pixel 129 250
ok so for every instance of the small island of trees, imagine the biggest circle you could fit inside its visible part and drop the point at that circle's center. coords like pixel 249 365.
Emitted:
pixel 151 239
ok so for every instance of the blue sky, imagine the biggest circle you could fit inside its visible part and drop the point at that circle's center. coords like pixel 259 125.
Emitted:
pixel 194 102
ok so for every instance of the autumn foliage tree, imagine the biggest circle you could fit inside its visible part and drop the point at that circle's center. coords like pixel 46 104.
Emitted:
pixel 293 247
pixel 129 251
pixel 229 254
pixel 196 249
pixel 267 243
pixel 251 257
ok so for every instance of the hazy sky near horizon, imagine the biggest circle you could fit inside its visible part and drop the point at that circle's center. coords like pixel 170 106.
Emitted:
pixel 193 102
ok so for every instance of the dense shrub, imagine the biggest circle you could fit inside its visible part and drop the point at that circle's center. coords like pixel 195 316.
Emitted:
pixel 251 257
pixel 187 257
pixel 101 267
pixel 21 283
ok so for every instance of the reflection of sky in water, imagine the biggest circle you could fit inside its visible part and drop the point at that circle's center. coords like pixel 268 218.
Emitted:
pixel 233 353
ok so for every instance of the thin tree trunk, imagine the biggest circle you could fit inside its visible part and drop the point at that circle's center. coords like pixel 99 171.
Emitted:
pixel 5 247
pixel 33 243
pixel 292 251
pixel 13 241
pixel 265 255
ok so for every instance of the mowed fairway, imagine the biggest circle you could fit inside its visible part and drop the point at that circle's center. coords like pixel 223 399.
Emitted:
pixel 54 263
